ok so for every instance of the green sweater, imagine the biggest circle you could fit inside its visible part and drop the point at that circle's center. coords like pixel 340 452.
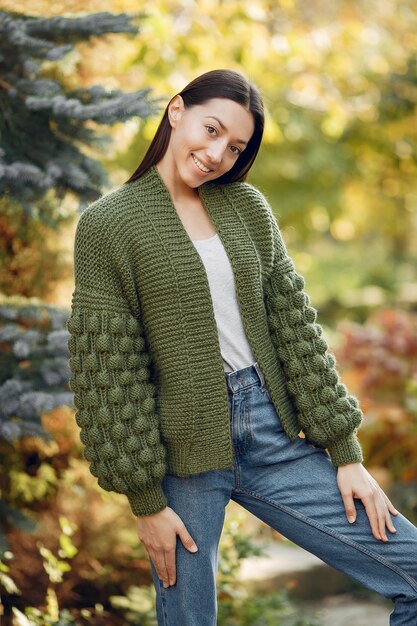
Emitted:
pixel 146 369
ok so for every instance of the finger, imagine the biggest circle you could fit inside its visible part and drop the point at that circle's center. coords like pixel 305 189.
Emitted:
pixel 350 508
pixel 166 573
pixel 187 541
pixel 159 563
pixel 391 507
pixel 382 510
pixel 372 514
pixel 381 524
pixel 388 509
pixel 170 563
pixel 389 523
pixel 387 517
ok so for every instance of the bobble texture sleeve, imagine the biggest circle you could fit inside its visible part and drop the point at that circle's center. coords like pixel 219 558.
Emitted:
pixel 114 397
pixel 328 415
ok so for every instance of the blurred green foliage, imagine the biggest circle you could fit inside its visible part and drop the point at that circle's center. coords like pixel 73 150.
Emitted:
pixel 339 157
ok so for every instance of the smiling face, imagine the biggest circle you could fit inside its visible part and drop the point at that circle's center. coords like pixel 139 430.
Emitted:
pixel 206 141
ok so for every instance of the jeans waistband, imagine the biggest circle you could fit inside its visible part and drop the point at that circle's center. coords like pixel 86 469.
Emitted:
pixel 245 377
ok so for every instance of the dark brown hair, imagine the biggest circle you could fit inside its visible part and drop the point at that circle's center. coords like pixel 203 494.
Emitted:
pixel 221 83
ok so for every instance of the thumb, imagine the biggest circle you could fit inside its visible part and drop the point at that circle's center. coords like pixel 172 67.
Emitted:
pixel 349 507
pixel 187 540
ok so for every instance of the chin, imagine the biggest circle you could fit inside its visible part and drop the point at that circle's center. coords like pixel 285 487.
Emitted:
pixel 190 180
pixel 193 184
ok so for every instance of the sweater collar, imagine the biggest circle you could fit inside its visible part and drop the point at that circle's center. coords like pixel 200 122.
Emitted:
pixel 155 197
pixel 225 206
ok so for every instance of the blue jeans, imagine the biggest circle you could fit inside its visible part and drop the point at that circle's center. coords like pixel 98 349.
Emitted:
pixel 291 486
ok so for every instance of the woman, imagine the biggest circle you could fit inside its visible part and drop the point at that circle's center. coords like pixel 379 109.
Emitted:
pixel 201 375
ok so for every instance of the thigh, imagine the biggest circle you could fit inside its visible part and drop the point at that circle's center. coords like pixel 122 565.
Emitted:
pixel 292 486
pixel 200 501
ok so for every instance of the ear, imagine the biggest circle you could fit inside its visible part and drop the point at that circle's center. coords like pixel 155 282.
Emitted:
pixel 175 110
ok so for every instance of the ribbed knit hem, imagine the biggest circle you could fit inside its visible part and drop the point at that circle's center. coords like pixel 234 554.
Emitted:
pixel 148 501
pixel 346 451
pixel 185 458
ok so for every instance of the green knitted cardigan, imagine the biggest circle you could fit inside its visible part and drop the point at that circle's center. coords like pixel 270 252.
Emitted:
pixel 147 374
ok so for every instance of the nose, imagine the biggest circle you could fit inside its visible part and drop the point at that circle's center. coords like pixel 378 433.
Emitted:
pixel 214 153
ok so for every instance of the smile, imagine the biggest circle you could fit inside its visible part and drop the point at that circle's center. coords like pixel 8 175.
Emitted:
pixel 200 166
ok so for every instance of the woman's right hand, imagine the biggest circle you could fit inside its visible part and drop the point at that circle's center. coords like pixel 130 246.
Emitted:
pixel 158 533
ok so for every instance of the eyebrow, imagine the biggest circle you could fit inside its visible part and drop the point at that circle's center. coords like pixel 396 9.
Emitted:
pixel 224 128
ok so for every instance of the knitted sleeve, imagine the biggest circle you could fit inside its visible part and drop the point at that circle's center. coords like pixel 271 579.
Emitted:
pixel 114 397
pixel 328 415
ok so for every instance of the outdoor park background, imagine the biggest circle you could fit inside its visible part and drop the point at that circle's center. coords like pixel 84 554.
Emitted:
pixel 339 166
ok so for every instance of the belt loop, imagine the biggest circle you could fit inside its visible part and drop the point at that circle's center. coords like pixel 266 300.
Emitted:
pixel 261 376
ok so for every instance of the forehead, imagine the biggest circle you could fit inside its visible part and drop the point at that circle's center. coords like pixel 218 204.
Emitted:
pixel 224 105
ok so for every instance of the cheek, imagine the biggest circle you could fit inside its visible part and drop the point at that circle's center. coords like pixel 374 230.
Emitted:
pixel 180 146
pixel 192 136
pixel 184 142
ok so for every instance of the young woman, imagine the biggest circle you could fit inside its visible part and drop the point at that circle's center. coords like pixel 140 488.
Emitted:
pixel 200 373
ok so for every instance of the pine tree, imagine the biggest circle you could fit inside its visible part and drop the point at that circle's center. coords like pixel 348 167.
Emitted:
pixel 34 375
pixel 43 125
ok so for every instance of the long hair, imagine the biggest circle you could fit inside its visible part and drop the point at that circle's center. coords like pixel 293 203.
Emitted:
pixel 221 83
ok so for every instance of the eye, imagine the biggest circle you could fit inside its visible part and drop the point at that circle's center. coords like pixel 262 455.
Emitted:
pixel 237 151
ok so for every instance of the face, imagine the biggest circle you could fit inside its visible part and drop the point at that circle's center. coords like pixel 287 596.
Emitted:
pixel 207 139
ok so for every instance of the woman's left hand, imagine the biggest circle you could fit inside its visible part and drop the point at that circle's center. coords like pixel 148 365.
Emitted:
pixel 354 481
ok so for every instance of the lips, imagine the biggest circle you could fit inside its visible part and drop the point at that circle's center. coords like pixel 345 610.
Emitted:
pixel 195 159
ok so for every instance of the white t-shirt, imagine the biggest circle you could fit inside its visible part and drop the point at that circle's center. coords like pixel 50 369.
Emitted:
pixel 234 346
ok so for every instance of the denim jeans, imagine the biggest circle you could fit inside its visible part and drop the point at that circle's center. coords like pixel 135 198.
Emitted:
pixel 291 486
